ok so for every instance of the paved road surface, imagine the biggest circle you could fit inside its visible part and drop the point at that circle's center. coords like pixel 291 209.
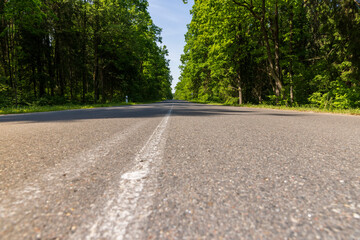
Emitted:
pixel 176 170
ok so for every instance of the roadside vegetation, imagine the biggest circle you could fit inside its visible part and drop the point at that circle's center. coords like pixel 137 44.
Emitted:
pixel 302 54
pixel 58 54
pixel 305 108
pixel 70 106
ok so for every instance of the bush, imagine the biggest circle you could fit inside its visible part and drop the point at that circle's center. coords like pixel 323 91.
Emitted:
pixel 232 101
pixel 50 101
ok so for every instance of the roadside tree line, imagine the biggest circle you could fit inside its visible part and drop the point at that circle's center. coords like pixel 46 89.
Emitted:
pixel 273 51
pixel 58 51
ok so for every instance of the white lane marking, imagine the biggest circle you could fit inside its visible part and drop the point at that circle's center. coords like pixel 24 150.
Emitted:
pixel 33 194
pixel 135 175
pixel 122 210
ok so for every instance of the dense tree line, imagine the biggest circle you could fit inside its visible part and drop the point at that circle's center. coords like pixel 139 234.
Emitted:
pixel 274 51
pixel 56 51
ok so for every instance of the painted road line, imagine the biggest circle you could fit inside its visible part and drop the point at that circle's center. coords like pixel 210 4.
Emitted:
pixel 34 194
pixel 122 210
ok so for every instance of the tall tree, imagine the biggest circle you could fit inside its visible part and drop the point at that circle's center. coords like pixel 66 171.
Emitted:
pixel 278 51
pixel 57 51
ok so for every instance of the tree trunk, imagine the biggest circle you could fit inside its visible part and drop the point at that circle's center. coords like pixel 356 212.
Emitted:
pixel 9 52
pixel 273 66
pixel 39 65
pixel 240 95
pixel 58 64
pixel 16 87
pixel 278 79
pixel 96 53
pixel 3 39
pixel 291 58
pixel 96 78
pixel 240 90
pixel 14 57
pixel 50 65
pixel 83 54
pixel 12 61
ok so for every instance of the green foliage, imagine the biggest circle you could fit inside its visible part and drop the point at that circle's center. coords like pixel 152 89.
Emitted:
pixel 47 108
pixel 55 52
pixel 279 52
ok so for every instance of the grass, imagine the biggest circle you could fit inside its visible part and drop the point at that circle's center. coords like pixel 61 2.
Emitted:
pixel 31 109
pixel 353 111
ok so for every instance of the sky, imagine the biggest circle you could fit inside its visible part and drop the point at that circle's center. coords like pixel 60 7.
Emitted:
pixel 172 16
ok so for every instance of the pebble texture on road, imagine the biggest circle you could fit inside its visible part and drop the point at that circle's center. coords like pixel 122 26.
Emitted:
pixel 217 173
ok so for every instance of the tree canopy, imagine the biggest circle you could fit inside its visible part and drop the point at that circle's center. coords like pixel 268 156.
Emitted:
pixel 56 51
pixel 274 51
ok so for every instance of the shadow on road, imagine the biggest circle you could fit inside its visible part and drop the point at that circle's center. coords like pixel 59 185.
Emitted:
pixel 181 108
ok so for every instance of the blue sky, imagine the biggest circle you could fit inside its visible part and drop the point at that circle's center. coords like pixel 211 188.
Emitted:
pixel 172 16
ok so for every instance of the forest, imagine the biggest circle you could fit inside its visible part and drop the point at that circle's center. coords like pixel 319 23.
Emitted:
pixel 80 51
pixel 280 52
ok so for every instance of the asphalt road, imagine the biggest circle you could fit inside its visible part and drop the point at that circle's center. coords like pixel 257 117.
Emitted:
pixel 177 170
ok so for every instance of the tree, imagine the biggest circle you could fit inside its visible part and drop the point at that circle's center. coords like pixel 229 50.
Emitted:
pixel 278 51
pixel 58 51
